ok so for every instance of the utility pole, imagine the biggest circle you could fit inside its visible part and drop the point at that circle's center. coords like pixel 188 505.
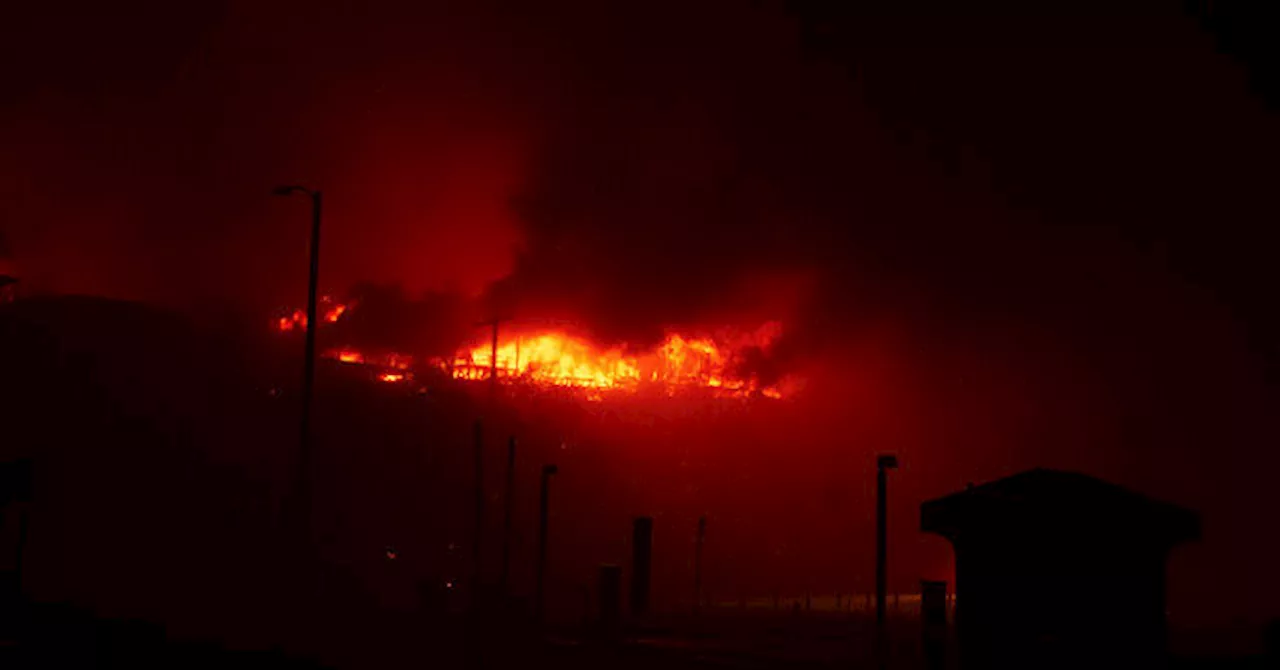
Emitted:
pixel 697 564
pixel 508 503
pixel 539 595
pixel 884 463
pixel 301 492
pixel 493 361
pixel 478 531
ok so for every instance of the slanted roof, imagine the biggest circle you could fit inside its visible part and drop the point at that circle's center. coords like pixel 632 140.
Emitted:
pixel 1057 500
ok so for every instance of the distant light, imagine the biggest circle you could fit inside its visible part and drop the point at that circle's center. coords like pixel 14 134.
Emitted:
pixel 448 585
pixel 391 554
pixel 391 377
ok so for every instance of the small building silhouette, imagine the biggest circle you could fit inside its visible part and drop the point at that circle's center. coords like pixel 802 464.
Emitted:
pixel 1059 570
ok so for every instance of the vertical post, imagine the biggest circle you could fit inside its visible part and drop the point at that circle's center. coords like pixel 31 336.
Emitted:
pixel 15 490
pixel 540 577
pixel 933 616
pixel 493 361
pixel 302 480
pixel 697 564
pixel 610 597
pixel 508 502
pixel 477 533
pixel 20 549
pixel 641 564
pixel 883 464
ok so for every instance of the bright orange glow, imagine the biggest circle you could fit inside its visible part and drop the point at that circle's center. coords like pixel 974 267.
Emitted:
pixel 555 358
pixel 349 356
pixel 558 359
pixel 298 319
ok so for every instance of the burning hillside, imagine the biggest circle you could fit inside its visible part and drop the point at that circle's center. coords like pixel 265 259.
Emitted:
pixel 719 363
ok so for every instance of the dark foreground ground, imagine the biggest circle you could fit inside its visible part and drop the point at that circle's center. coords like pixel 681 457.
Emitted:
pixel 58 637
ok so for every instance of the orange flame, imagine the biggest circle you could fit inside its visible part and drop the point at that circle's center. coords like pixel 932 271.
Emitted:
pixel 556 359
pixel 349 356
pixel 298 318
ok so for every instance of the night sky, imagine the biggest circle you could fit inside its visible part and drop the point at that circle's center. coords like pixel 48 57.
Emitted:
pixel 997 239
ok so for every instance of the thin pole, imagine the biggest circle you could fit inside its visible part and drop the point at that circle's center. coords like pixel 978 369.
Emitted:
pixel 883 464
pixel 478 532
pixel 697 564
pixel 881 550
pixel 21 550
pixel 509 505
pixel 302 482
pixel 539 597
pixel 493 362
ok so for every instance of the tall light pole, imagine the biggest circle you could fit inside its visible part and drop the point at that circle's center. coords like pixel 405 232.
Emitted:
pixel 477 452
pixel 301 492
pixel 884 463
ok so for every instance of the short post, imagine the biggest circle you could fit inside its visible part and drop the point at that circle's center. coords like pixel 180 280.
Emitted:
pixel 15 489
pixel 933 616
pixel 697 564
pixel 610 597
pixel 508 503
pixel 477 533
pixel 641 564
pixel 539 595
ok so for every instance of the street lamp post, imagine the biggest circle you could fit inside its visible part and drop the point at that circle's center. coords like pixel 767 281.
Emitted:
pixel 884 463
pixel 301 493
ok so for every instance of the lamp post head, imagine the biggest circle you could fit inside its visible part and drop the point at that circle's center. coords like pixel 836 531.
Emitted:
pixel 548 470
pixel 887 462
pixel 289 190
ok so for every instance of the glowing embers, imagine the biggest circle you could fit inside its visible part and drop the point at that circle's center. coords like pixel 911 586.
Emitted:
pixel 391 368
pixel 330 310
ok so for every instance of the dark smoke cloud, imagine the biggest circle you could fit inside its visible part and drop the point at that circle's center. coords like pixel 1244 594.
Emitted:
pixel 142 141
